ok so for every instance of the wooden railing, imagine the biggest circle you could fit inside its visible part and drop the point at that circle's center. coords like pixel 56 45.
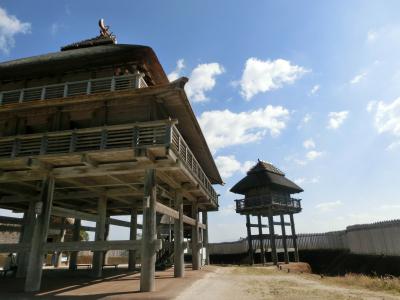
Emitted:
pixel 71 89
pixel 267 200
pixel 137 135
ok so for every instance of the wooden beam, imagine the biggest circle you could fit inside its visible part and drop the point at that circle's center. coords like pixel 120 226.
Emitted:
pixel 11 220
pixel 14 248
pixel 98 246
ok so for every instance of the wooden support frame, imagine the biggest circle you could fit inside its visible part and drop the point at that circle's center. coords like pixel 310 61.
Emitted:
pixel 249 240
pixel 284 242
pixel 179 263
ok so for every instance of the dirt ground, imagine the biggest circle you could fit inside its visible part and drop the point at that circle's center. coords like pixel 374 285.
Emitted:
pixel 254 283
pixel 212 282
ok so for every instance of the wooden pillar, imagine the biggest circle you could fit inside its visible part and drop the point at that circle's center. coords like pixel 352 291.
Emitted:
pixel 132 237
pixel 195 238
pixel 26 237
pixel 249 239
pixel 272 237
pixel 98 256
pixel 149 233
pixel 179 263
pixel 205 236
pixel 76 236
pixel 60 239
pixel 294 237
pixel 39 238
pixel 284 240
pixel 262 251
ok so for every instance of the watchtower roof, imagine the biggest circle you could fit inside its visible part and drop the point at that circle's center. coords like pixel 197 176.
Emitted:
pixel 265 174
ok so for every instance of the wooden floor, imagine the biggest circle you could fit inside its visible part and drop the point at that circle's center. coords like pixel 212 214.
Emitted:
pixel 115 284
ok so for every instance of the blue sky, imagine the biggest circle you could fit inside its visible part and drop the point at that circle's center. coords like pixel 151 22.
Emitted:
pixel 311 86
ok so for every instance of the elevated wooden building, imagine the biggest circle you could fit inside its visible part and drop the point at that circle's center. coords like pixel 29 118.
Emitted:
pixel 96 131
pixel 267 193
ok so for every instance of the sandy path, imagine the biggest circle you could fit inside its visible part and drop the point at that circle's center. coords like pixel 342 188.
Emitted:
pixel 232 283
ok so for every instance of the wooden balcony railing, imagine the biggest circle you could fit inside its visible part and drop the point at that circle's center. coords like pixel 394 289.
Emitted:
pixel 137 135
pixel 71 89
pixel 267 201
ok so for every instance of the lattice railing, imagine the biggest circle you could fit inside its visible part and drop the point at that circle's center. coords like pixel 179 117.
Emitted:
pixel 267 200
pixel 137 135
pixel 71 89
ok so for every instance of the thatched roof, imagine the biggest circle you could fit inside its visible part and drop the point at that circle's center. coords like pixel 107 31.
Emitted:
pixel 97 55
pixel 265 174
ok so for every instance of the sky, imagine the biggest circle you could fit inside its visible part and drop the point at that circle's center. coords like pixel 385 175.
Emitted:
pixel 310 86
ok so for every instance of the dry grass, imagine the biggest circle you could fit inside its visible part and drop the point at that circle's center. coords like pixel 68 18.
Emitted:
pixel 375 283
pixel 245 270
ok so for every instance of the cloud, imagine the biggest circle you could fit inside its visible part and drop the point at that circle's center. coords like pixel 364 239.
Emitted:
pixel 393 146
pixel 227 210
pixel 224 128
pixel 306 119
pixel 262 76
pixel 328 206
pixel 311 155
pixel 9 27
pixel 175 74
pixel 386 116
pixel 202 79
pixel 228 165
pixel 303 180
pixel 372 35
pixel 356 79
pixel 314 89
pixel 336 119
pixel 309 144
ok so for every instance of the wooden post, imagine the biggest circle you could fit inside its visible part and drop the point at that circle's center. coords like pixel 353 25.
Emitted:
pixel 39 238
pixel 262 252
pixel 205 236
pixel 149 233
pixel 179 263
pixel 284 241
pixel 272 237
pixel 26 237
pixel 76 236
pixel 195 238
pixel 132 237
pixel 60 239
pixel 249 239
pixel 98 256
pixel 294 237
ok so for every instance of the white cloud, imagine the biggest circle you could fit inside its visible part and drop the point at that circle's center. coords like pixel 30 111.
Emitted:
pixel 336 119
pixel 372 36
pixel 9 27
pixel 393 146
pixel 303 180
pixel 311 155
pixel 306 119
pixel 262 76
pixel 356 79
pixel 309 144
pixel 224 128
pixel 387 116
pixel 300 180
pixel 175 74
pixel 227 210
pixel 315 89
pixel 328 206
pixel 229 165
pixel 202 79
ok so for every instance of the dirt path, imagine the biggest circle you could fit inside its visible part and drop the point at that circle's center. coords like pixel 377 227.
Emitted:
pixel 232 283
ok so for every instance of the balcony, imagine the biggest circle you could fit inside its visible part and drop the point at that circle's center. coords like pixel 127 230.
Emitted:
pixel 72 89
pixel 276 202
pixel 163 134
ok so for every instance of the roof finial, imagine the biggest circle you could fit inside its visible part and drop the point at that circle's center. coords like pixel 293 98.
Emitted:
pixel 104 31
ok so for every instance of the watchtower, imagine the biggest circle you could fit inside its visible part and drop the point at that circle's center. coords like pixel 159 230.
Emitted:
pixel 95 131
pixel 267 193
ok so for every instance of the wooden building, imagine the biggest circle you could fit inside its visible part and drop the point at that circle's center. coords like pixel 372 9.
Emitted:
pixel 96 131
pixel 267 193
